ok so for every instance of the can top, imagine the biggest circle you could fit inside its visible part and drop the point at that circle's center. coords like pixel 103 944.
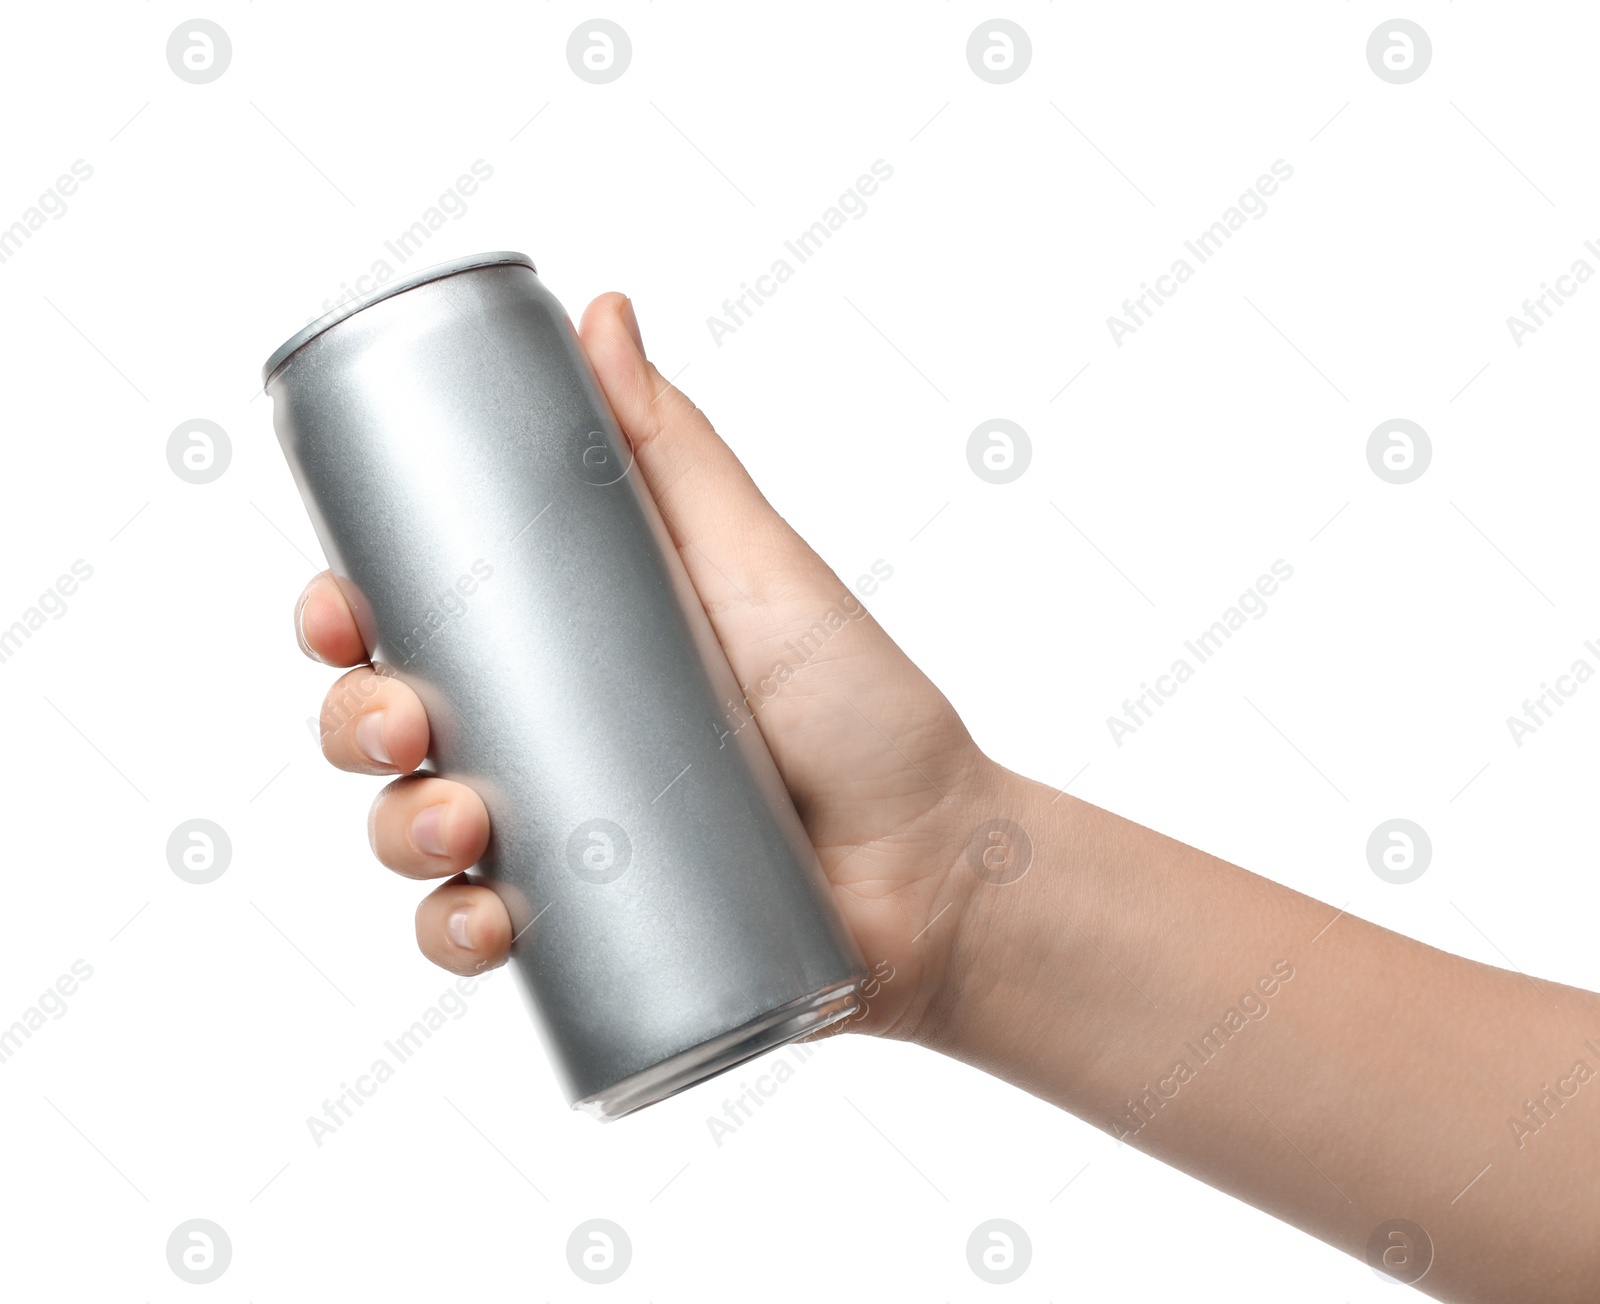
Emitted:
pixel 307 333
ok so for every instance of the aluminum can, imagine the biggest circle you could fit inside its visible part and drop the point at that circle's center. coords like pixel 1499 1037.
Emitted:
pixel 480 508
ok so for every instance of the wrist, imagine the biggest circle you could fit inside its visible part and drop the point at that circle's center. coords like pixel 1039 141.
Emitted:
pixel 1009 885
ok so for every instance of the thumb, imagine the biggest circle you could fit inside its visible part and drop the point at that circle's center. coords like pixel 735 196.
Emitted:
pixel 765 591
pixel 739 552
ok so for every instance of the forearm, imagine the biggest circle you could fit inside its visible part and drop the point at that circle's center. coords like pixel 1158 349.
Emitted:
pixel 1326 1070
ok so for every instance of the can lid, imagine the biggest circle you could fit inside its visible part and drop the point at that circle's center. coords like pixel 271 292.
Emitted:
pixel 280 355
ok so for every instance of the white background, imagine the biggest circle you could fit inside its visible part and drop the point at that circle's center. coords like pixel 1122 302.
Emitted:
pixel 219 218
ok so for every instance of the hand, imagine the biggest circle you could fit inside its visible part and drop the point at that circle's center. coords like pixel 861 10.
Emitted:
pixel 886 778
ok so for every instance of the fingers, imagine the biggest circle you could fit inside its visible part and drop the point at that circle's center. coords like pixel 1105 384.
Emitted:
pixel 428 827
pixel 324 625
pixel 373 724
pixel 463 928
pixel 422 827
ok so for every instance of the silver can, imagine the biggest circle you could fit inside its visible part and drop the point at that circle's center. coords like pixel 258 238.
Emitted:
pixel 480 509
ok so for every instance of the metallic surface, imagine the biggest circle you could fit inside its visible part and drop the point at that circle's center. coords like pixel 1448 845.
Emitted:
pixel 400 286
pixel 478 505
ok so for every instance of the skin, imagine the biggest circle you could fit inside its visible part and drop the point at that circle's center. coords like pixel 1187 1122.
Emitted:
pixel 1362 1076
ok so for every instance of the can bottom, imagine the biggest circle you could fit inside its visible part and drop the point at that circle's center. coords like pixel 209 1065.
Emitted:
pixel 720 1054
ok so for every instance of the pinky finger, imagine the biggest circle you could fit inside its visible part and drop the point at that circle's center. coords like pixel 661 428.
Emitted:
pixel 464 927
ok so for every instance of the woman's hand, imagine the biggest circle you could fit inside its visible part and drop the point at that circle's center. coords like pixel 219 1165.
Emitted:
pixel 887 780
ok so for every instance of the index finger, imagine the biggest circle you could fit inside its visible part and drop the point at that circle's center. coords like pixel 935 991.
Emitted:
pixel 324 625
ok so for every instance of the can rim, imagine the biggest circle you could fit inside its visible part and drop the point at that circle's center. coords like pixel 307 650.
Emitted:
pixel 311 330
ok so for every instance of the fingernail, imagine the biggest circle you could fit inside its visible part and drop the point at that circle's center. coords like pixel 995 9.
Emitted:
pixel 369 738
pixel 300 627
pixel 427 831
pixel 631 320
pixel 456 928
